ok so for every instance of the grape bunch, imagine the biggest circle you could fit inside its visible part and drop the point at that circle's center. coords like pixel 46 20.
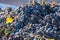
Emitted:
pixel 33 22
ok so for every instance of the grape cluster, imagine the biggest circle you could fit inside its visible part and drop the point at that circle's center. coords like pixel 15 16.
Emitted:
pixel 32 22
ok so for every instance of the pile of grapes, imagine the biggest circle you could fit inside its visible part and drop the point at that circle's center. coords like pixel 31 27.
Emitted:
pixel 33 22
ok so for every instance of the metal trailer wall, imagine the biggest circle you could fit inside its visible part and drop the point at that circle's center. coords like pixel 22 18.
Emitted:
pixel 18 2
